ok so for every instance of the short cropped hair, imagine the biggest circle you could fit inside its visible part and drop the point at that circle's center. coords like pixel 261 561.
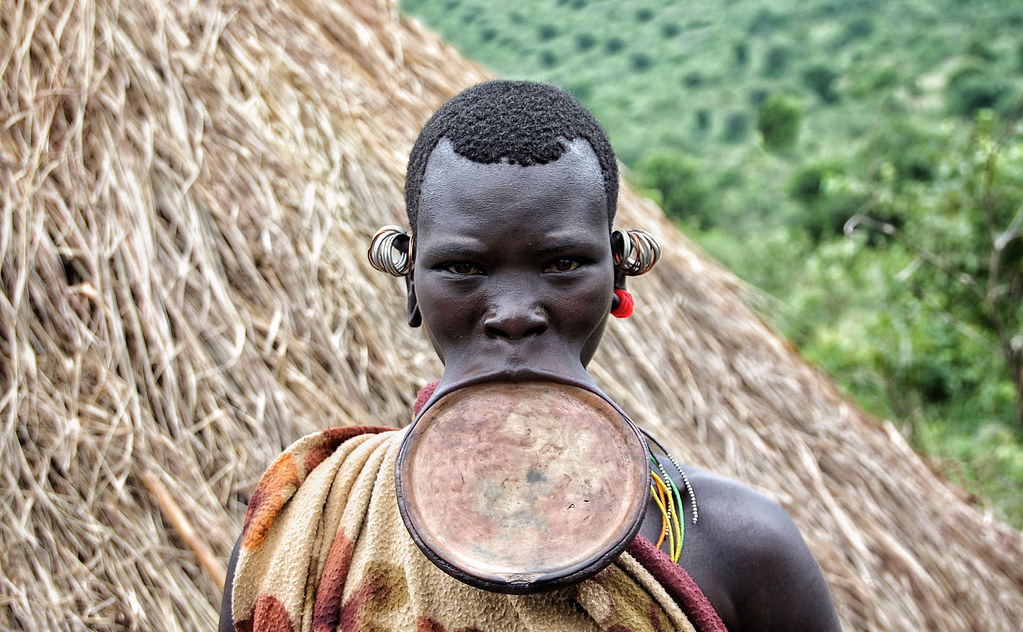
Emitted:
pixel 518 122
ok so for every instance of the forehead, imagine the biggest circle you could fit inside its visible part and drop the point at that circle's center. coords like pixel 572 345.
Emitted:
pixel 570 189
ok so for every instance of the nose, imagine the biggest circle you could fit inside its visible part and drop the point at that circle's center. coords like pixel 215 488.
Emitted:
pixel 515 319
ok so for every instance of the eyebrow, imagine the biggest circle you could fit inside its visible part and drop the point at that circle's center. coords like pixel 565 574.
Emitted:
pixel 571 242
pixel 455 247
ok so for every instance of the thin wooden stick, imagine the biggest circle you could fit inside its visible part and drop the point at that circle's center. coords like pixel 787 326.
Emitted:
pixel 184 528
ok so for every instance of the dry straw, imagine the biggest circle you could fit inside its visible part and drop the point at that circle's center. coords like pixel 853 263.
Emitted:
pixel 188 189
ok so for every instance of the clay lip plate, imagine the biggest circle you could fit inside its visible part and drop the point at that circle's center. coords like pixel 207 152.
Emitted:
pixel 521 487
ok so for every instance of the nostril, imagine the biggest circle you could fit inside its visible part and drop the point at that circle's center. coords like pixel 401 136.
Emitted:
pixel 515 328
pixel 495 332
pixel 534 331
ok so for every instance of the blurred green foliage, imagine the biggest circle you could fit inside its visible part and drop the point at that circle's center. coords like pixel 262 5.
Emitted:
pixel 821 79
pixel 778 120
pixel 675 181
pixel 877 208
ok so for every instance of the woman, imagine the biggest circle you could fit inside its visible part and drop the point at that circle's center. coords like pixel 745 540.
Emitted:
pixel 512 270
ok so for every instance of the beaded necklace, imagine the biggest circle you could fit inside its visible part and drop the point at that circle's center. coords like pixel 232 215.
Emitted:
pixel 668 497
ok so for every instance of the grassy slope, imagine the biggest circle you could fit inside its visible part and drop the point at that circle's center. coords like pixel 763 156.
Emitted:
pixel 647 67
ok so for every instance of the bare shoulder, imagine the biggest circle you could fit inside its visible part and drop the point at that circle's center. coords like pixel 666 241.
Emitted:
pixel 728 509
pixel 751 561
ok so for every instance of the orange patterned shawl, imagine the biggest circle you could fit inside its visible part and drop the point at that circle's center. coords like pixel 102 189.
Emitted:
pixel 324 548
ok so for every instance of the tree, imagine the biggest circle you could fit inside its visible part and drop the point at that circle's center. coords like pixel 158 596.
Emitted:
pixel 821 79
pixel 967 232
pixel 678 179
pixel 827 201
pixel 778 121
pixel 974 88
pixel 776 62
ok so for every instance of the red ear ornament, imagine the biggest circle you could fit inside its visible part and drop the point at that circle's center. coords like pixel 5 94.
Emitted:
pixel 625 304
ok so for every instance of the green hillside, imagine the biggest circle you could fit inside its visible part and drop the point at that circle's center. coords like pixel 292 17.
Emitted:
pixel 859 162
pixel 684 75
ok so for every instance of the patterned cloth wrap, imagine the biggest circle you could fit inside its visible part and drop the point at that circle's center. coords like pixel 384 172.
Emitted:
pixel 324 549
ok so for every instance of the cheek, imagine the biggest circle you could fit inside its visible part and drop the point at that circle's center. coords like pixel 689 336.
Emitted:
pixel 599 303
pixel 592 329
pixel 591 306
pixel 446 314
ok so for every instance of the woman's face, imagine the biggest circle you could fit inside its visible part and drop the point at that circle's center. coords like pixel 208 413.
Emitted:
pixel 513 269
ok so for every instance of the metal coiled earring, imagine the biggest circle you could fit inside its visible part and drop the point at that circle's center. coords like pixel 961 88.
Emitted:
pixel 390 251
pixel 635 251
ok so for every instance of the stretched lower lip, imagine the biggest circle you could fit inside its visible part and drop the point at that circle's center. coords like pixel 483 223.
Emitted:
pixel 495 372
pixel 527 374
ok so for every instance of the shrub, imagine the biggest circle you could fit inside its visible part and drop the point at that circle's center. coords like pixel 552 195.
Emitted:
pixel 776 62
pixel 614 45
pixel 693 79
pixel 585 41
pixel 913 152
pixel 821 80
pixel 703 119
pixel 741 52
pixel 547 32
pixel 677 178
pixel 827 218
pixel 765 22
pixel 826 206
pixel 644 14
pixel 874 80
pixel 737 128
pixel 856 29
pixel 807 184
pixel 640 62
pixel 670 30
pixel 971 89
pixel 580 90
pixel 980 49
pixel 778 121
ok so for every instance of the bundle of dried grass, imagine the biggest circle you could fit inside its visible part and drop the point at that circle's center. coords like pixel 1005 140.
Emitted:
pixel 187 191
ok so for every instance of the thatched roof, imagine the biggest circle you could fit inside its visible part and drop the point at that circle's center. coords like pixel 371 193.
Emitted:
pixel 187 194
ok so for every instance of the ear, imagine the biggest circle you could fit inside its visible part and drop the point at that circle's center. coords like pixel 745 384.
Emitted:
pixel 619 285
pixel 619 280
pixel 415 318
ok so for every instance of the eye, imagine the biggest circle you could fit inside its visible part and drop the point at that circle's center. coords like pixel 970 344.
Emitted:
pixel 462 267
pixel 562 265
